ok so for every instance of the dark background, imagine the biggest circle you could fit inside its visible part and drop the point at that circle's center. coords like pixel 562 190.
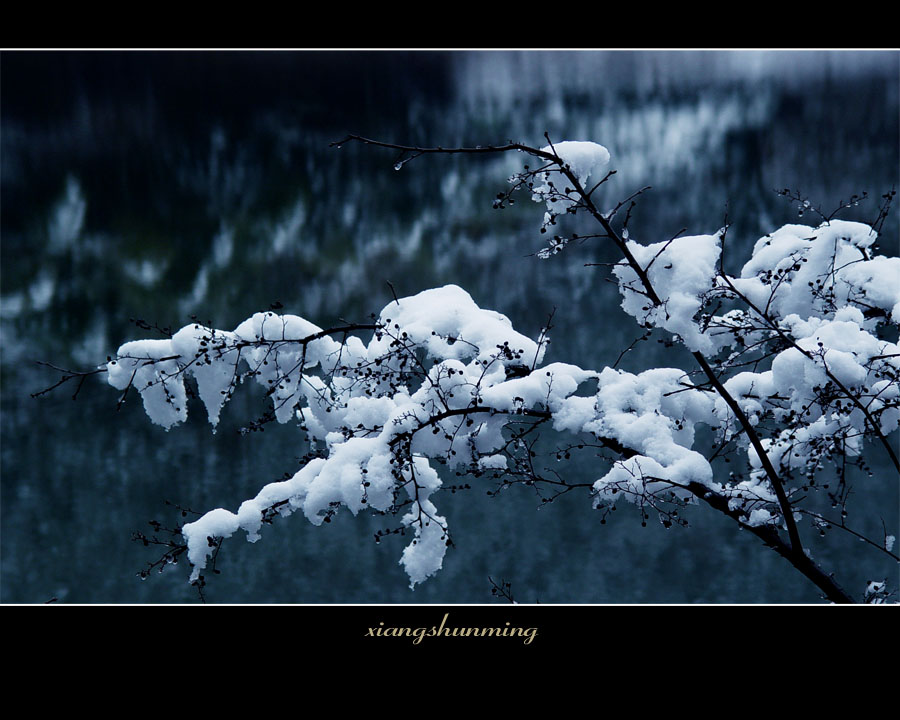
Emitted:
pixel 158 185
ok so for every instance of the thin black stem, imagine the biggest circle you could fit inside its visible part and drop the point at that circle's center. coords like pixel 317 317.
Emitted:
pixel 769 535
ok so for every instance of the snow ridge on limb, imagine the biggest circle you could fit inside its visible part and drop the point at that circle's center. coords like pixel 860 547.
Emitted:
pixel 435 382
pixel 683 272
pixel 821 299
pixel 816 296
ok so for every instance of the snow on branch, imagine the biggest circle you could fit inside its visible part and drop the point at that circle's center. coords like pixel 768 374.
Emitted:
pixel 434 382
pixel 682 271
pixel 795 354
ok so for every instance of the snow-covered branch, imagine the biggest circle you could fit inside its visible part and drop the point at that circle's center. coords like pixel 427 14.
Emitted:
pixel 798 357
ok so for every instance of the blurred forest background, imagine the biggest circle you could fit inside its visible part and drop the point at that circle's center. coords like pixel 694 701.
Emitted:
pixel 165 185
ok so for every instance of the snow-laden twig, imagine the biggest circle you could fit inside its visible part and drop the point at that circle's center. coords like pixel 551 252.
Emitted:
pixel 794 377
